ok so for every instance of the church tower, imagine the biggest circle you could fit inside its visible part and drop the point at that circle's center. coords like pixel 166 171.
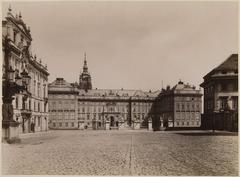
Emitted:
pixel 85 77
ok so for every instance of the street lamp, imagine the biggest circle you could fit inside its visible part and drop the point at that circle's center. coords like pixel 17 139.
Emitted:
pixel 10 86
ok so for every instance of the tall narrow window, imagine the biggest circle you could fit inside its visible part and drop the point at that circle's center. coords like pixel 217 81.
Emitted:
pixel 38 107
pixel 14 36
pixel 39 121
pixel 30 105
pixel 44 90
pixel 17 102
pixel 38 90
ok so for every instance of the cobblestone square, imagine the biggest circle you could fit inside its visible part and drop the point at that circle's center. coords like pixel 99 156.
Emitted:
pixel 128 152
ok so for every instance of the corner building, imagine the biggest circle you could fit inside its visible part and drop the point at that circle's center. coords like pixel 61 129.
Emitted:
pixel 221 96
pixel 31 108
pixel 78 106
pixel 180 106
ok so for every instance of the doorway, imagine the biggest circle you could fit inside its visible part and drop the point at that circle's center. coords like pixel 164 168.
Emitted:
pixel 113 122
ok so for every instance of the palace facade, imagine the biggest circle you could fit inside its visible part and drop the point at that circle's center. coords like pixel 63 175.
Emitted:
pixel 78 106
pixel 180 106
pixel 30 107
pixel 221 96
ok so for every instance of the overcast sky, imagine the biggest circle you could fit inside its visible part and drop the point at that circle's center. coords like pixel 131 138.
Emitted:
pixel 131 45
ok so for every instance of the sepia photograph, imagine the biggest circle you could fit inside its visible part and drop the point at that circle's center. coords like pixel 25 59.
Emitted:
pixel 112 88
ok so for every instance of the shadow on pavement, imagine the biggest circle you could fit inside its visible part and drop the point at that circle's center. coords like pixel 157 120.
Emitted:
pixel 208 133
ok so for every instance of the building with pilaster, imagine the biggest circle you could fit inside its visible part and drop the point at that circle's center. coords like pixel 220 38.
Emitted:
pixel 180 106
pixel 221 96
pixel 78 106
pixel 30 107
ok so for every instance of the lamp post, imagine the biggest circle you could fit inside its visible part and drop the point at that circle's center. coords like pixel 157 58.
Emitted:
pixel 10 131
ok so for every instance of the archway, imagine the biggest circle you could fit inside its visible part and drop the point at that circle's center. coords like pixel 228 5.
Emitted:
pixel 113 122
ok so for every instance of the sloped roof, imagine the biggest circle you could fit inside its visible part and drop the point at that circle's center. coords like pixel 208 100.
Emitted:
pixel 182 86
pixel 153 94
pixel 118 92
pixel 231 63
pixel 108 92
pixel 60 82
pixel 20 24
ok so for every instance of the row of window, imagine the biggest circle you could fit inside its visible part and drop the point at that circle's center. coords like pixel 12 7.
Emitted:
pixel 37 120
pixel 28 105
pixel 188 106
pixel 186 123
pixel 65 96
pixel 61 104
pixel 61 110
pixel 187 114
pixel 63 124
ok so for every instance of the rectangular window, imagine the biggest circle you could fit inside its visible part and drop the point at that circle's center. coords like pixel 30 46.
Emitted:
pixel 60 124
pixel 72 124
pixel 44 91
pixel 39 121
pixel 182 106
pixel 17 102
pixel 30 105
pixel 38 107
pixel 66 124
pixel 38 87
pixel 235 103
pixel 54 124
pixel 14 36
pixel 193 106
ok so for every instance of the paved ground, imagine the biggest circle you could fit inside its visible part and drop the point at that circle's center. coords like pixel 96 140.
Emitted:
pixel 122 153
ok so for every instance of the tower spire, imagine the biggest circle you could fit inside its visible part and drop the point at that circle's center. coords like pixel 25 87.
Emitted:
pixel 85 56
pixel 85 78
pixel 85 67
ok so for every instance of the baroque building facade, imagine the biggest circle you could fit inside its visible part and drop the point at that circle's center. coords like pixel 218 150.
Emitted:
pixel 30 108
pixel 221 96
pixel 180 106
pixel 78 106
